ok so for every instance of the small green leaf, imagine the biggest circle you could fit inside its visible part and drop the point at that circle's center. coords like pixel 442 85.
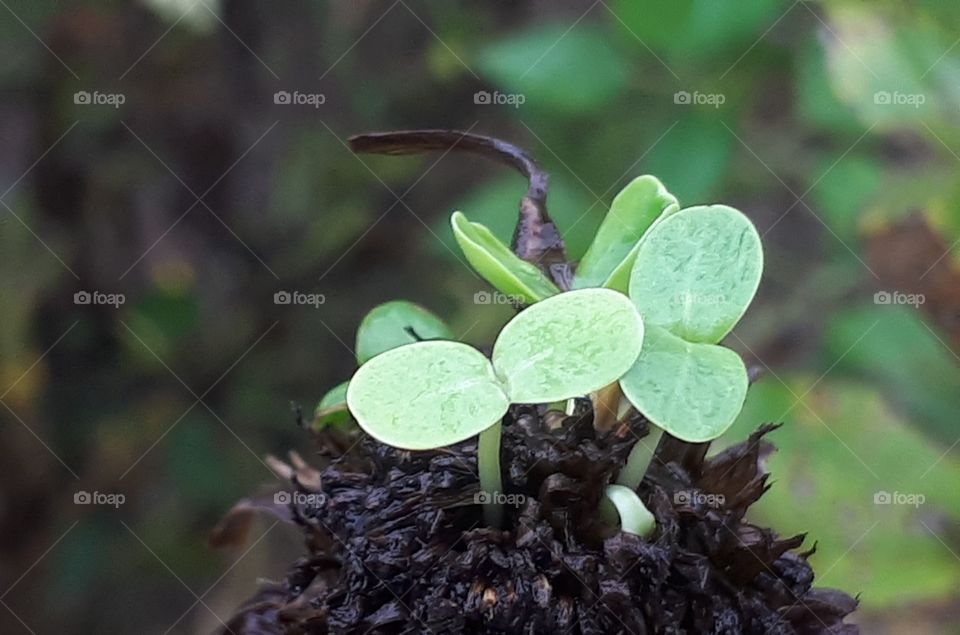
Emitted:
pixel 498 265
pixel 693 391
pixel 388 326
pixel 697 271
pixel 613 250
pixel 332 409
pixel 568 345
pixel 426 395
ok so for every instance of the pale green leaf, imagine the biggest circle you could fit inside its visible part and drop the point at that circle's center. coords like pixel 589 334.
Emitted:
pixel 426 395
pixel 498 265
pixel 390 324
pixel 697 271
pixel 332 409
pixel 610 257
pixel 693 391
pixel 568 345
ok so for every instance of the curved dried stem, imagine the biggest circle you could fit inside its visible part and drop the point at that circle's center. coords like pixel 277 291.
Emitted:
pixel 536 238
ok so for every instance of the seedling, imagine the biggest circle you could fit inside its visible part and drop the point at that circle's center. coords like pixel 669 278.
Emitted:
pixel 656 292
pixel 637 329
pixel 692 274
pixel 387 326
pixel 394 324
pixel 432 394
pixel 497 264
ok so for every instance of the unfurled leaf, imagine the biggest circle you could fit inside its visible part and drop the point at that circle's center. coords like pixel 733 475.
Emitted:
pixel 498 265
pixel 394 324
pixel 426 395
pixel 609 259
pixel 332 409
pixel 568 345
pixel 697 271
pixel 693 391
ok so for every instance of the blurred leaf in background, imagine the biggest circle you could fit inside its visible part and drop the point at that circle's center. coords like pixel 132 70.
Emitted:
pixel 557 67
pixel 851 474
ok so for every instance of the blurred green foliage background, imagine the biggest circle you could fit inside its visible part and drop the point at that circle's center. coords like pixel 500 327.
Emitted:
pixel 829 123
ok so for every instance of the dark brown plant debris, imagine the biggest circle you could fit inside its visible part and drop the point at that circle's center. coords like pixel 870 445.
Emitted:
pixel 396 544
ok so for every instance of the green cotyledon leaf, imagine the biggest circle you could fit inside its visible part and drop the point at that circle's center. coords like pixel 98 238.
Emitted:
pixel 426 395
pixel 693 391
pixel 498 265
pixel 394 324
pixel 610 258
pixel 696 272
pixel 568 345
pixel 332 409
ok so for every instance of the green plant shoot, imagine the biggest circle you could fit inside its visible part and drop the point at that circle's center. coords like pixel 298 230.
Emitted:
pixel 609 260
pixel 432 394
pixel 497 264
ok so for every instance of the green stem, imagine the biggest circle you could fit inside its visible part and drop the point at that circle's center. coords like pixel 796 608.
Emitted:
pixel 639 460
pixel 622 503
pixel 488 463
